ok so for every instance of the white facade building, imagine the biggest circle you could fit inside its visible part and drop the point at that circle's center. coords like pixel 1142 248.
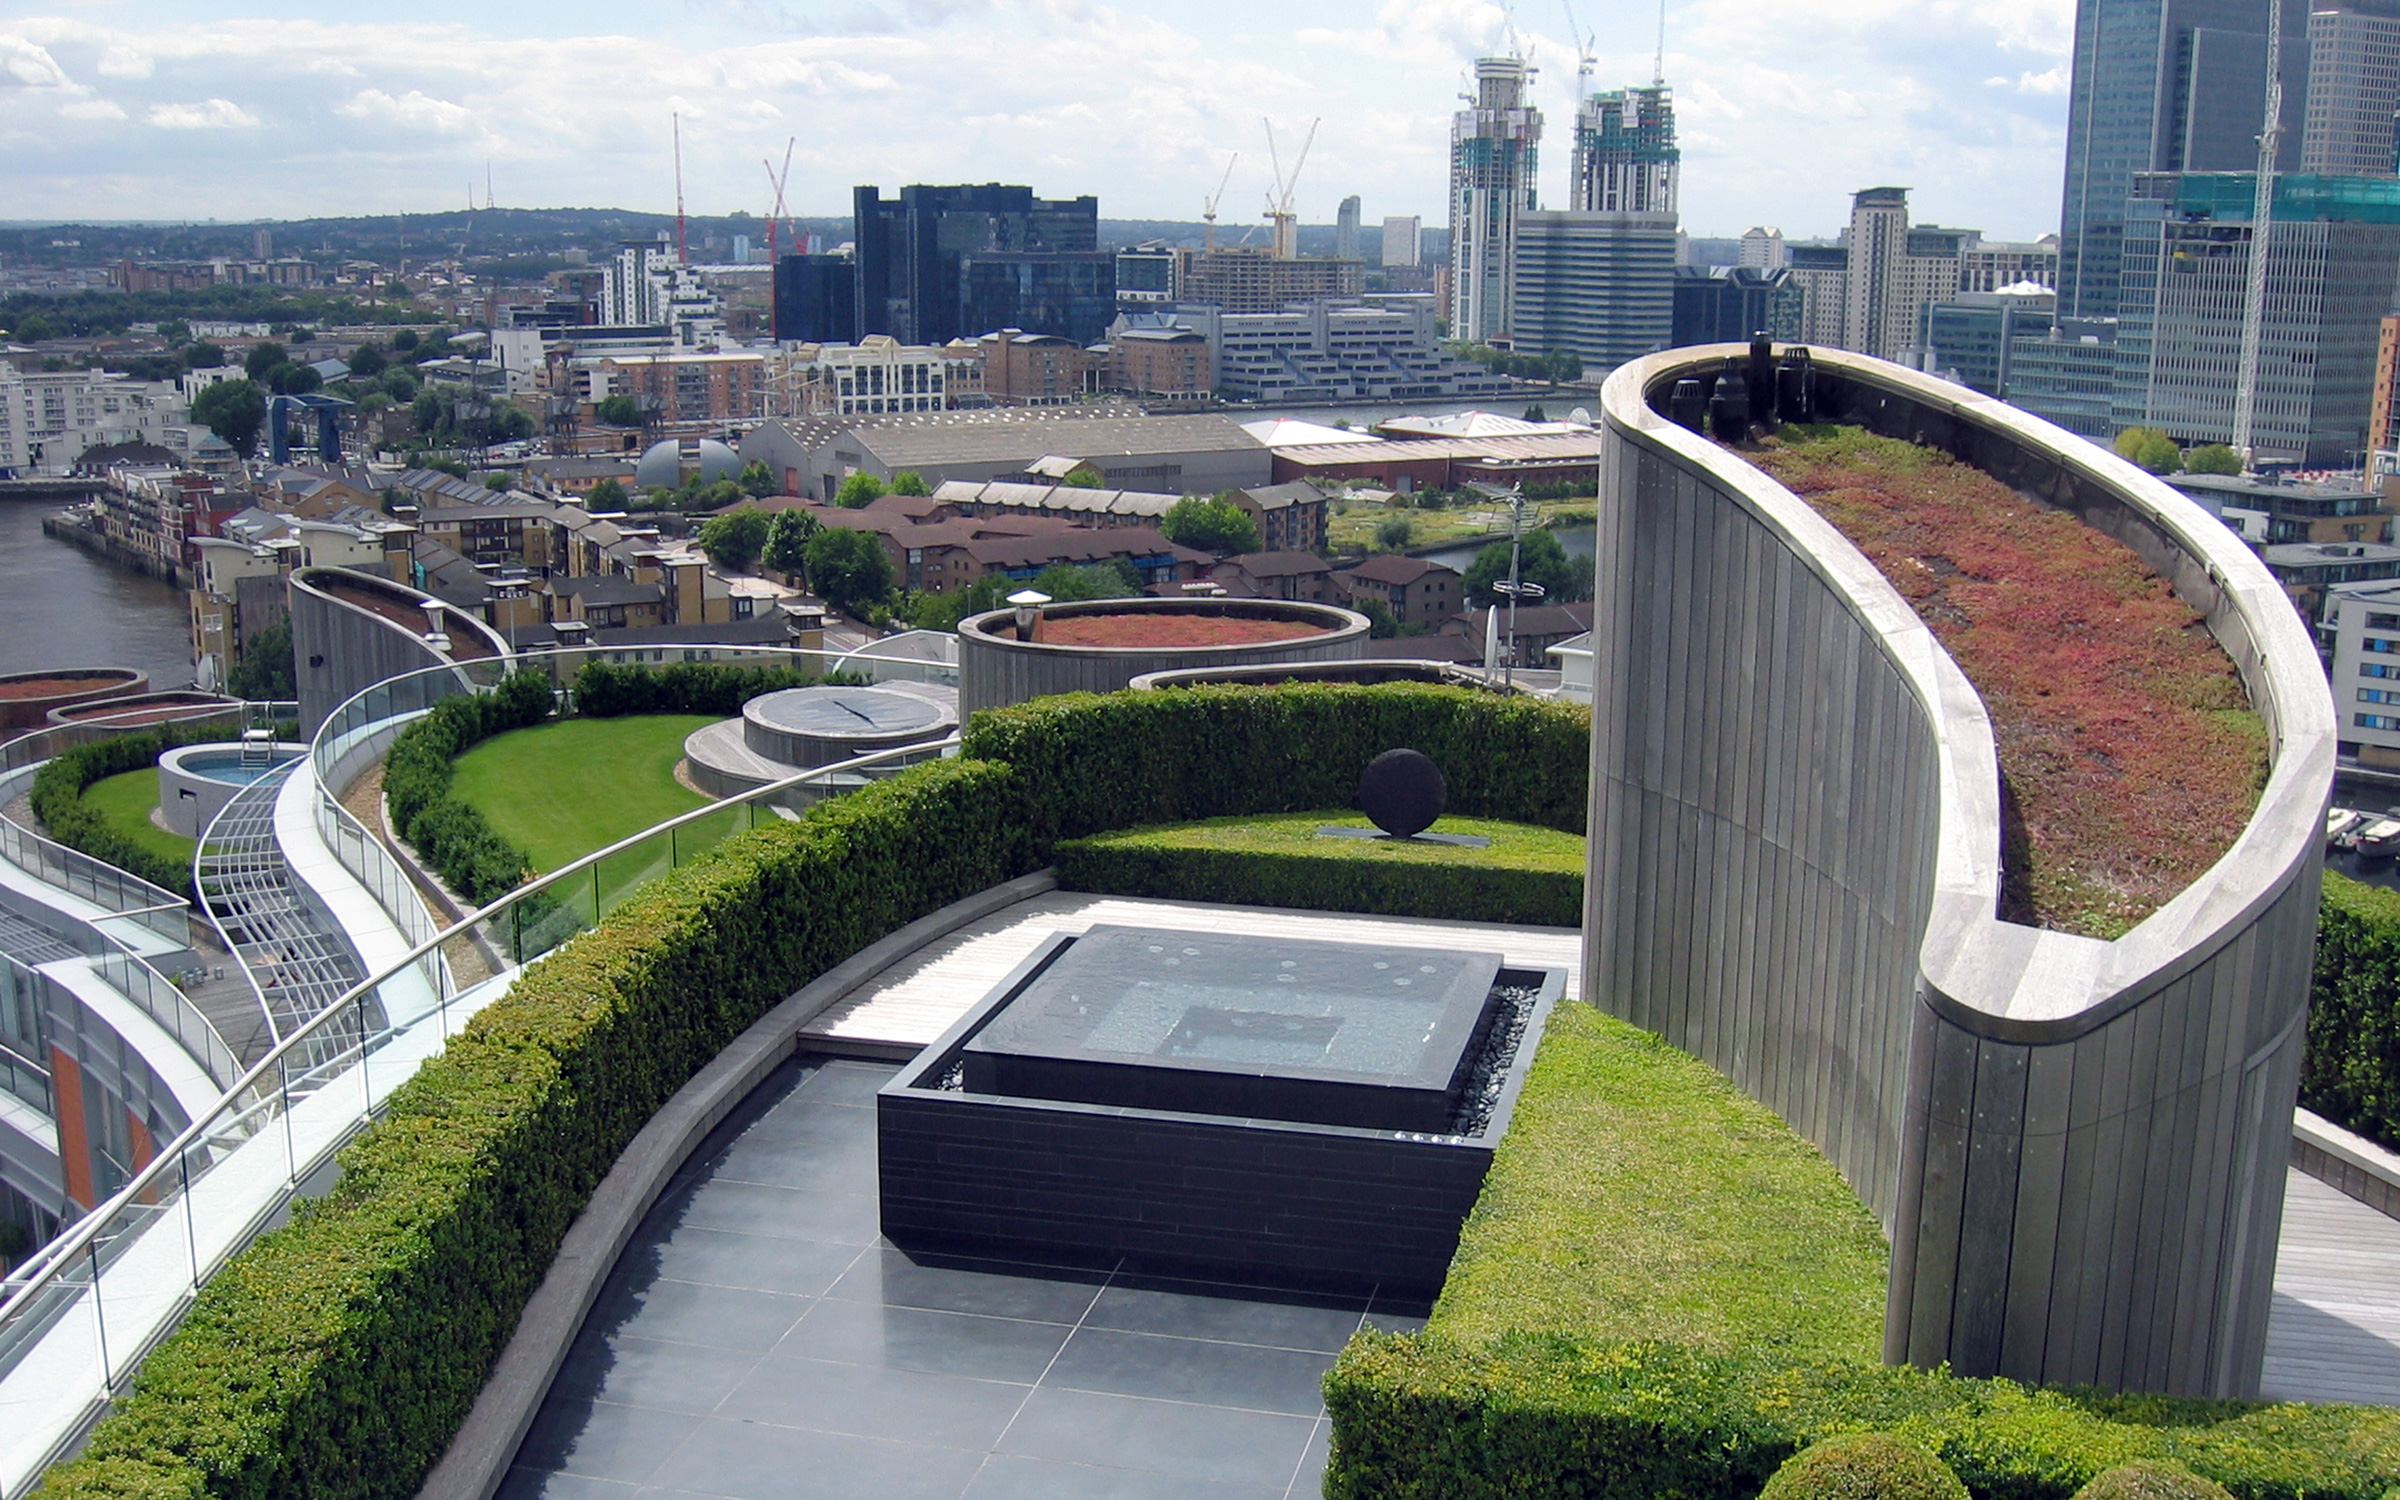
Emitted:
pixel 49 417
pixel 2363 622
pixel 1403 240
pixel 879 374
pixel 1494 145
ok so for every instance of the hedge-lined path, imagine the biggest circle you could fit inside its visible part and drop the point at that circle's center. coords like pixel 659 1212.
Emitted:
pixel 916 999
pixel 757 1339
pixel 2334 1333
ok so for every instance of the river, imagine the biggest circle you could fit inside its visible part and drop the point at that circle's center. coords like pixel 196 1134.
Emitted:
pixel 63 607
pixel 1575 541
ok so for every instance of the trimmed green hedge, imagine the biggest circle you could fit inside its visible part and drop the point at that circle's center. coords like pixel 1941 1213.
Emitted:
pixel 606 690
pixel 2351 1072
pixel 1127 760
pixel 1864 1466
pixel 450 835
pixel 1526 875
pixel 337 1356
pixel 57 798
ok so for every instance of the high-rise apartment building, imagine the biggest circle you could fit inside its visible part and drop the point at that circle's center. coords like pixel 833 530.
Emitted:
pixel 1251 279
pixel 1403 241
pixel 2353 94
pixel 939 263
pixel 1872 312
pixel 1626 160
pixel 2332 265
pixel 1494 146
pixel 2163 86
pixel 1345 230
pixel 1762 249
pixel 631 284
pixel 1822 272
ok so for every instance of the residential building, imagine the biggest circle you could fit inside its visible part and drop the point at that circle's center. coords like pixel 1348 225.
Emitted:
pixel 1152 357
pixel 2309 571
pixel 1291 517
pixel 2153 87
pixel 1494 149
pixel 1303 576
pixel 2362 626
pixel 1417 590
pixel 1822 272
pixel 1383 347
pixel 2332 265
pixel 697 387
pixel 2068 375
pixel 1345 230
pixel 2383 414
pixel 1599 283
pixel 876 375
pixel 1037 369
pixel 634 277
pixel 1875 293
pixel 1537 628
pixel 1625 158
pixel 816 299
pixel 2293 510
pixel 918 257
pixel 1248 280
pixel 1408 465
pixel 2353 94
pixel 1763 249
pixel 1146 276
pixel 1727 304
pixel 1403 241
pixel 48 418
pixel 1988 265
pixel 1968 337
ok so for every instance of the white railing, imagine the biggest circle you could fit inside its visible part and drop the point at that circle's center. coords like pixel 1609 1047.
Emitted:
pixel 83 1311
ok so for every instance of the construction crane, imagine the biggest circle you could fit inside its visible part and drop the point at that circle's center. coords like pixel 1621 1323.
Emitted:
pixel 776 180
pixel 1208 211
pixel 1585 59
pixel 682 257
pixel 1285 244
pixel 2262 232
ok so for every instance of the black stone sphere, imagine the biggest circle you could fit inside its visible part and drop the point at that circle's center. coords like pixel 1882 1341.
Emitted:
pixel 1402 792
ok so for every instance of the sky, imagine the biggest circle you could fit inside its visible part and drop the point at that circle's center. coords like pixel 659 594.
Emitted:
pixel 136 109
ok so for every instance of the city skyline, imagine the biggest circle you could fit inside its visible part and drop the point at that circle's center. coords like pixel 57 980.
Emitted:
pixel 128 111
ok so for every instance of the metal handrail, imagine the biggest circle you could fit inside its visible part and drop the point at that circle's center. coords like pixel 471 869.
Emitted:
pixel 150 1187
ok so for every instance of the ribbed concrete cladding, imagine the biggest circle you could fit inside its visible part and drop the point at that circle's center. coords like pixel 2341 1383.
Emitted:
pixel 2077 1147
pixel 996 669
pixel 352 630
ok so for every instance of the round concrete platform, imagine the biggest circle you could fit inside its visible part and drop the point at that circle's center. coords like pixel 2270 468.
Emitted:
pixel 779 735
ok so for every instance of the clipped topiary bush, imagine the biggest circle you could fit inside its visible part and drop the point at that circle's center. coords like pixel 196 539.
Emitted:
pixel 1864 1466
pixel 2151 1481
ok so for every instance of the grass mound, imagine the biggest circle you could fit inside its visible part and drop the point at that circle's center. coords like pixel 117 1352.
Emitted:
pixel 1640 1195
pixel 124 802
pixel 1865 1466
pixel 559 790
pixel 2130 757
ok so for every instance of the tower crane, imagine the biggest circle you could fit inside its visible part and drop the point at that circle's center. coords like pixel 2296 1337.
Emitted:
pixel 1585 59
pixel 776 180
pixel 1208 211
pixel 1286 239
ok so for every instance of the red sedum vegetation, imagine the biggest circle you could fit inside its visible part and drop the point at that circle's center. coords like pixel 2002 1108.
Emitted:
pixel 2129 755
pixel 1147 628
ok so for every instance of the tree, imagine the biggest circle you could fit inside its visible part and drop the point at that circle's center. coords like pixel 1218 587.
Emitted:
pixel 1382 624
pixel 203 356
pixel 33 328
pixel 848 568
pixel 1392 533
pixel 368 362
pixel 736 538
pixel 496 482
pixel 606 495
pixel 288 379
pixel 401 384
pixel 1217 525
pixel 1534 413
pixel 788 536
pixel 910 482
pixel 619 411
pixel 234 410
pixel 2215 458
pixel 1114 579
pixel 262 358
pixel 2150 448
pixel 755 480
pixel 405 340
pixel 858 491
pixel 509 422
pixel 265 673
pixel 1541 560
pixel 1084 479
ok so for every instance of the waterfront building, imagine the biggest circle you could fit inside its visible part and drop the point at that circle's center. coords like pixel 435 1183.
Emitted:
pixel 1599 283
pixel 1494 149
pixel 1403 241
pixel 49 418
pixel 877 374
pixel 939 263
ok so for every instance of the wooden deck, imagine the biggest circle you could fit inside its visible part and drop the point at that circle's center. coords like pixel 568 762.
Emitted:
pixel 2333 1335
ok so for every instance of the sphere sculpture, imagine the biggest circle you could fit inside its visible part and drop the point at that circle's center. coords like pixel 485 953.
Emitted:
pixel 1402 792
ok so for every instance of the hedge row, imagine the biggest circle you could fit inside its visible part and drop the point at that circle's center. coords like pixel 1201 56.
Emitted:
pixel 605 690
pixel 338 1355
pixel 1127 760
pixel 2351 1072
pixel 57 798
pixel 1422 1416
pixel 449 835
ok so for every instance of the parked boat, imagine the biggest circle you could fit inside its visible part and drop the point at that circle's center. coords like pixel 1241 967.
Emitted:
pixel 2380 839
pixel 2341 827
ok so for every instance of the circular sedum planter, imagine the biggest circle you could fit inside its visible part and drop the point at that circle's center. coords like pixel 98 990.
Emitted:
pixel 996 669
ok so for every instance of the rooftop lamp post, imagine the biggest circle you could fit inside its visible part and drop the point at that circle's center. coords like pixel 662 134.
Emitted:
pixel 1028 605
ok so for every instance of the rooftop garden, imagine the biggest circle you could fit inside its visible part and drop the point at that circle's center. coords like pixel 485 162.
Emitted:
pixel 125 802
pixel 1166 629
pixel 2130 758
pixel 561 789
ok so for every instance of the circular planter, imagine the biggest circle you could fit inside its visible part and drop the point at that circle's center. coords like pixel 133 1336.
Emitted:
pixel 1365 672
pixel 996 669
pixel 140 709
pixel 26 698
pixel 196 781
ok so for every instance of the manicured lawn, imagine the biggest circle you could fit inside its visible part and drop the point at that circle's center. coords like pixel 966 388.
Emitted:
pixel 560 790
pixel 1640 1195
pixel 125 802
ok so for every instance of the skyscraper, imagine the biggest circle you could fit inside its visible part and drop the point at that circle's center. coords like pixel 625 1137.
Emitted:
pixel 2163 86
pixel 1601 284
pixel 1345 230
pixel 1878 244
pixel 916 255
pixel 1625 160
pixel 1493 148
pixel 1403 240
pixel 2353 94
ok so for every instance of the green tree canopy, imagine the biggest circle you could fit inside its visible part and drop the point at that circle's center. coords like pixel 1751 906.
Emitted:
pixel 910 482
pixel 262 358
pixel 849 569
pixel 606 495
pixel 33 328
pixel 2150 448
pixel 1114 579
pixel 1217 525
pixel 203 356
pixel 288 379
pixel 619 411
pixel 755 480
pixel 509 422
pixel 2215 458
pixel 858 491
pixel 788 537
pixel 405 340
pixel 1084 479
pixel 265 673
pixel 1542 560
pixel 234 410
pixel 1392 533
pixel 736 538
pixel 367 362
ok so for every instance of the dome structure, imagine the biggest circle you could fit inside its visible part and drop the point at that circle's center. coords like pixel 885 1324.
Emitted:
pixel 667 461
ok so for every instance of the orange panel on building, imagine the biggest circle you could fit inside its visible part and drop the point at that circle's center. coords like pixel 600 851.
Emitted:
pixel 74 1142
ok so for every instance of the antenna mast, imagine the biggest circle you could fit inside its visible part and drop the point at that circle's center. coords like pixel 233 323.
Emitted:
pixel 1208 210
pixel 1585 60
pixel 2262 224
pixel 682 256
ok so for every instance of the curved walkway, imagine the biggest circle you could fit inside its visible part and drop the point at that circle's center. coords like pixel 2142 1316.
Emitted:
pixel 296 960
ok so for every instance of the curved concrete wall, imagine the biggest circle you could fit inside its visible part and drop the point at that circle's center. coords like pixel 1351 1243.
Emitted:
pixel 2077 1147
pixel 996 669
pixel 95 683
pixel 340 649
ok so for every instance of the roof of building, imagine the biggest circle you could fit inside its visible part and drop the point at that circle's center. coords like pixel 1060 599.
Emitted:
pixel 580 468
pixel 520 509
pixel 1539 620
pixel 915 507
pixel 1286 432
pixel 1535 445
pixel 1291 492
pixel 1278 564
pixel 2329 554
pixel 1022 435
pixel 1077 544
pixel 1397 569
pixel 1070 498
pixel 771 628
pixel 1469 424
pixel 606 590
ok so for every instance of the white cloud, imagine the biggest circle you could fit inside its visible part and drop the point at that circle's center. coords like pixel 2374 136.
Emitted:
pixel 414 108
pixel 125 62
pixel 26 65
pixel 93 109
pixel 208 114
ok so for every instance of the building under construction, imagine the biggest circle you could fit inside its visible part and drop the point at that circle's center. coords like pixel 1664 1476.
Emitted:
pixel 1243 280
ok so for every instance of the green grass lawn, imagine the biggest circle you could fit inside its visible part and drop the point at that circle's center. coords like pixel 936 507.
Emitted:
pixel 560 790
pixel 125 801
pixel 1640 1195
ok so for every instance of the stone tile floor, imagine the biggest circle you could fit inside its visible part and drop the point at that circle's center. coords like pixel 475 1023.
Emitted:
pixel 757 1339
